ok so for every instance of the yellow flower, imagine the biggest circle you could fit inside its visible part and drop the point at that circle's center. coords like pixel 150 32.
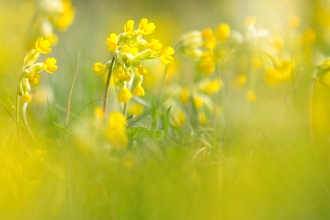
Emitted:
pixel 256 63
pixel 278 43
pixel 294 21
pixel 213 86
pixel 198 102
pixel 135 109
pixel 142 70
pixel 179 119
pixel 222 32
pixel 251 96
pixel 185 95
pixel 99 114
pixel 66 17
pixel 52 38
pixel 34 78
pixel 145 27
pixel 112 42
pixel 250 20
pixel 26 98
pixel 273 76
pixel 166 55
pixel 309 36
pixel 210 40
pixel 202 118
pixel 131 50
pixel 99 68
pixel 43 46
pixel 119 73
pixel 50 65
pixel 138 91
pixel 155 45
pixel 124 95
pixel 116 131
pixel 129 27
pixel 239 81
pixel 207 64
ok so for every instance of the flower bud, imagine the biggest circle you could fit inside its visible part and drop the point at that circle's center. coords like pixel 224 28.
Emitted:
pixel 31 57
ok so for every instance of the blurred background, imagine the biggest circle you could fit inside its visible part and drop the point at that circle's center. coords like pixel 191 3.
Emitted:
pixel 266 164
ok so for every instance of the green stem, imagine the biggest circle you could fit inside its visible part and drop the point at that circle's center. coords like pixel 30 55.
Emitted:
pixel 106 92
pixel 311 91
pixel 25 119
pixel 125 109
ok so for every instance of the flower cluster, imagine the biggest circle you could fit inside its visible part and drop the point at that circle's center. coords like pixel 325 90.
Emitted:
pixel 129 49
pixel 53 13
pixel 30 73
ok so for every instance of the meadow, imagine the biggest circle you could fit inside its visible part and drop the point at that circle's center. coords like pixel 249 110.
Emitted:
pixel 164 109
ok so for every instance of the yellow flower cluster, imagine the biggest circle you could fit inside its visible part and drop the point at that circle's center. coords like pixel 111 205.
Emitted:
pixel 116 131
pixel 58 14
pixel 30 73
pixel 129 49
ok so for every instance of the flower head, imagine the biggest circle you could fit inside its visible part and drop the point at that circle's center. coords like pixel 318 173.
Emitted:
pixel 50 65
pixel 112 42
pixel 145 27
pixel 124 95
pixel 43 46
pixel 166 55
pixel 99 68
pixel 138 91
pixel 129 27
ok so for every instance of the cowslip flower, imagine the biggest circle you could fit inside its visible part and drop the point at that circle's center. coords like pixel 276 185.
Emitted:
pixel 112 42
pixel 146 28
pixel 43 46
pixel 166 55
pixel 26 98
pixel 50 65
pixel 116 131
pixel 129 27
pixel 222 32
pixel 99 68
pixel 138 91
pixel 213 87
pixel 184 95
pixel 124 95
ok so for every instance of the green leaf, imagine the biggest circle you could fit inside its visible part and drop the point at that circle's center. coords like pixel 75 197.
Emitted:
pixel 60 127
pixel 141 132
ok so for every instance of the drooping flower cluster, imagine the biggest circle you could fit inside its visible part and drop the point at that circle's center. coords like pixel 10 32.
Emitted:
pixel 129 49
pixel 53 13
pixel 30 73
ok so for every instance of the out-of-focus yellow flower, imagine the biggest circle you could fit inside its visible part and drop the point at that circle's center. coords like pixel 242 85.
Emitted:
pixel 142 70
pixel 278 43
pixel 250 20
pixel 50 65
pixel 112 42
pixel 209 38
pixel 251 96
pixel 26 98
pixel 145 27
pixel 129 27
pixel 213 86
pixel 99 68
pixel 239 81
pixel 202 118
pixel 52 38
pixel 166 55
pixel 207 64
pixel 119 73
pixel 124 95
pixel 138 91
pixel 66 17
pixel 222 32
pixel 198 102
pixel 294 21
pixel 135 109
pixel 155 45
pixel 273 76
pixel 179 119
pixel 43 46
pixel 116 131
pixel 256 63
pixel 99 113
pixel 34 79
pixel 185 95
pixel 309 36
